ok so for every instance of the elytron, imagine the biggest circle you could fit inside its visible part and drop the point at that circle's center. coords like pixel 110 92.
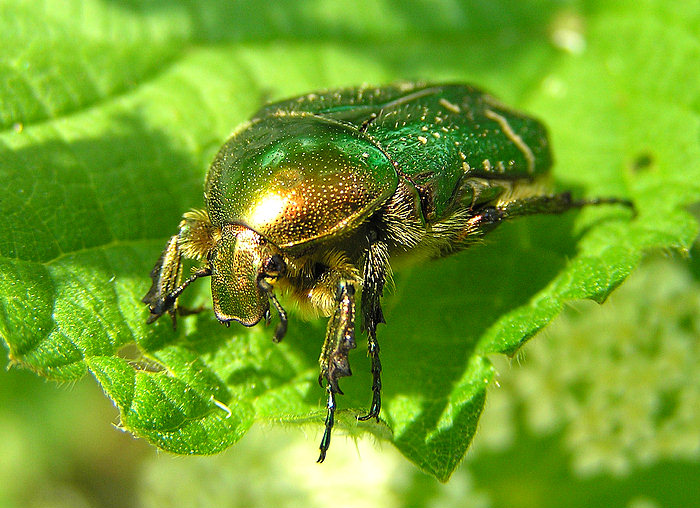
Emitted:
pixel 317 196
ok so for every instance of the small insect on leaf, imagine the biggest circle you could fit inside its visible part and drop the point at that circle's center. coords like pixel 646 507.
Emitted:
pixel 317 195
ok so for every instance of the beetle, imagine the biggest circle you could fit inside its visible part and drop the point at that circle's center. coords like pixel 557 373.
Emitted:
pixel 316 196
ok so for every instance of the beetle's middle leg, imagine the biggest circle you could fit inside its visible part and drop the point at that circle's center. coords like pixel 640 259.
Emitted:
pixel 340 339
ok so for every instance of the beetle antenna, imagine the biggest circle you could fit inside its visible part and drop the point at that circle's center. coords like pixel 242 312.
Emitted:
pixel 281 329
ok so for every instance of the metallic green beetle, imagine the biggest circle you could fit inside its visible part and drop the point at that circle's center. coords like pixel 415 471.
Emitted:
pixel 316 195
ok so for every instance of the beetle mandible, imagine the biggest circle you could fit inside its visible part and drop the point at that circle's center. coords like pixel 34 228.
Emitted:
pixel 315 196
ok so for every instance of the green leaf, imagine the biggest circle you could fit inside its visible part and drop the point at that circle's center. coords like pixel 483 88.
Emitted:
pixel 111 112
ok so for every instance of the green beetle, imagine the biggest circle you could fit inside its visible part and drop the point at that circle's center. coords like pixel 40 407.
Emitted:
pixel 315 196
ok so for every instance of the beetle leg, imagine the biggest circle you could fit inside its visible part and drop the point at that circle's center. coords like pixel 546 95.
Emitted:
pixel 330 420
pixel 374 276
pixel 194 240
pixel 166 276
pixel 340 339
pixel 188 311
pixel 162 298
pixel 552 204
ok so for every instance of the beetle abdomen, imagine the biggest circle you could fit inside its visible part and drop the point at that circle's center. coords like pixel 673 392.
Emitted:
pixel 455 131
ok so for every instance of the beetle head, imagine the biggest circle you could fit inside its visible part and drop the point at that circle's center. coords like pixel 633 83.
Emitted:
pixel 241 262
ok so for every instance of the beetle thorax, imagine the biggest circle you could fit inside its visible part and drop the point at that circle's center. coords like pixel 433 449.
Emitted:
pixel 296 182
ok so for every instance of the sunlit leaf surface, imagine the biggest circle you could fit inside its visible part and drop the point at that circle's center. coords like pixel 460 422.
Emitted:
pixel 111 112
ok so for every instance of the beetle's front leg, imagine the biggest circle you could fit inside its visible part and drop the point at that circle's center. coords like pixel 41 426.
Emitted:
pixel 194 241
pixel 340 339
pixel 374 274
pixel 166 287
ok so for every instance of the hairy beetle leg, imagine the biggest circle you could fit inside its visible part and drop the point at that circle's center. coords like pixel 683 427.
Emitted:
pixel 340 339
pixel 374 275
pixel 165 277
pixel 552 204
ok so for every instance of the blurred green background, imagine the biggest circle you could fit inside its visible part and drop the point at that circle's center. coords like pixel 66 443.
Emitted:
pixel 601 409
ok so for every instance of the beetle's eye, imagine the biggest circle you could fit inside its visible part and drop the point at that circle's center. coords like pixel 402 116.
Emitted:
pixel 275 265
